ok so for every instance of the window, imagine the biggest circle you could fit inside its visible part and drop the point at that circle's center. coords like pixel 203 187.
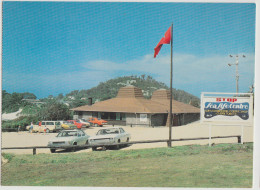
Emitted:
pixel 122 130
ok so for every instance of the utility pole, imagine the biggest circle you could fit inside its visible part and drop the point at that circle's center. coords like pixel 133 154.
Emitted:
pixel 237 74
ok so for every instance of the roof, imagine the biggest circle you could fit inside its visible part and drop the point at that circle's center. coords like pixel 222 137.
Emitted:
pixel 130 99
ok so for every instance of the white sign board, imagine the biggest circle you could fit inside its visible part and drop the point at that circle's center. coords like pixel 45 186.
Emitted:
pixel 227 107
pixel 143 117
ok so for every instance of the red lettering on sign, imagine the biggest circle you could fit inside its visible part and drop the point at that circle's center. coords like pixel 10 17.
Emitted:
pixel 226 99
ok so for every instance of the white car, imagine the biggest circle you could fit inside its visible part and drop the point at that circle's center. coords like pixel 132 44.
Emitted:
pixel 108 136
pixel 68 138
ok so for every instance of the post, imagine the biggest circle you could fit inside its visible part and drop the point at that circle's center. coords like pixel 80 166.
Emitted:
pixel 237 75
pixel 170 123
pixel 210 135
pixel 242 134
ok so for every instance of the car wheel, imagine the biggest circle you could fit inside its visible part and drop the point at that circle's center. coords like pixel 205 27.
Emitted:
pixel 52 150
pixel 96 125
pixel 117 146
pixel 74 144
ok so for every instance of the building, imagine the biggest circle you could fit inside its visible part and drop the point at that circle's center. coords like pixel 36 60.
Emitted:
pixel 130 107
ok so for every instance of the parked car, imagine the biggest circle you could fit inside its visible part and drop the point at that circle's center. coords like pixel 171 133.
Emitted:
pixel 68 138
pixel 97 122
pixel 68 125
pixel 78 124
pixel 109 136
pixel 84 121
pixel 51 126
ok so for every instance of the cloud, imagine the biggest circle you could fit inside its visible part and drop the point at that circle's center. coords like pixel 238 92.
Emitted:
pixel 191 73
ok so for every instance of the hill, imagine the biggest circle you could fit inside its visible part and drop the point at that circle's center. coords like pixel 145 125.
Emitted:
pixel 109 89
pixel 105 90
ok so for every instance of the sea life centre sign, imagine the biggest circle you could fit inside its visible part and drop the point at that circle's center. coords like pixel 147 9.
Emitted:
pixel 227 107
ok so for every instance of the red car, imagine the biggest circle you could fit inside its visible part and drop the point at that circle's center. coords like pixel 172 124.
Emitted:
pixel 78 124
pixel 97 122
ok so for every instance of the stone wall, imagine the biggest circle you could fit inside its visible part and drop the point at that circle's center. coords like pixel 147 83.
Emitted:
pixel 189 117
pixel 134 119
pixel 82 114
pixel 159 119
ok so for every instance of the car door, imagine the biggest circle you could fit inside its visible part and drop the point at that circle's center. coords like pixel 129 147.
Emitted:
pixel 123 135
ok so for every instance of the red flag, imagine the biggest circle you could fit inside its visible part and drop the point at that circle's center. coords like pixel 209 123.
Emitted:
pixel 165 40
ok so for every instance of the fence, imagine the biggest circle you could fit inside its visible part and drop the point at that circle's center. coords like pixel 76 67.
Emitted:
pixel 125 143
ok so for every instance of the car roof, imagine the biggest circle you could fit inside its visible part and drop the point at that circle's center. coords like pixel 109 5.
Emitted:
pixel 72 130
pixel 111 128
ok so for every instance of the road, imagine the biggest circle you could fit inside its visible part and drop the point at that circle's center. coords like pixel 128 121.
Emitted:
pixel 138 133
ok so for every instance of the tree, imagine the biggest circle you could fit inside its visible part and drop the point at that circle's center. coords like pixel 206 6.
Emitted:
pixel 53 110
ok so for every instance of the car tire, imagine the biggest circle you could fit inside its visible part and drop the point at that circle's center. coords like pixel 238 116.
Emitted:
pixel 117 146
pixel 74 148
pixel 52 150
pixel 96 125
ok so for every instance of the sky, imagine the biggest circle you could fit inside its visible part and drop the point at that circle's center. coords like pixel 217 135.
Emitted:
pixel 50 48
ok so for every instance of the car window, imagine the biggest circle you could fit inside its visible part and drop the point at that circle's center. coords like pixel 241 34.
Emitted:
pixel 49 123
pixel 108 131
pixel 43 123
pixel 57 123
pixel 122 130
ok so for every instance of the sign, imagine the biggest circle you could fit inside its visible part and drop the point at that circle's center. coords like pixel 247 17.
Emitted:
pixel 143 117
pixel 223 108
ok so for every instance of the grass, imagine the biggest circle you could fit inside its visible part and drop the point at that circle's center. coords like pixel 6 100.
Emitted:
pixel 225 165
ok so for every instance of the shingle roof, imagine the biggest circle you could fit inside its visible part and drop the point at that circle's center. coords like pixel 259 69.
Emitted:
pixel 163 96
pixel 130 99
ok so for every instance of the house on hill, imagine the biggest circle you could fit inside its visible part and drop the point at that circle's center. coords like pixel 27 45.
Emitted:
pixel 130 107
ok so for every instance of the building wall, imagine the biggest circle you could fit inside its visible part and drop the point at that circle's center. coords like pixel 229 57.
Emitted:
pixel 82 114
pixel 159 119
pixel 188 118
pixel 134 119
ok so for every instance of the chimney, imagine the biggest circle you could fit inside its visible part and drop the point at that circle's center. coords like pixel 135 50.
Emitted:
pixel 89 101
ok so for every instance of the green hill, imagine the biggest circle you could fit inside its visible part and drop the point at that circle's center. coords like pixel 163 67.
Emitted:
pixel 109 89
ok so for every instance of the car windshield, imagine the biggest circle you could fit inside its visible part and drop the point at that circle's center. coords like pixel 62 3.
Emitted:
pixel 84 120
pixel 68 122
pixel 67 134
pixel 108 131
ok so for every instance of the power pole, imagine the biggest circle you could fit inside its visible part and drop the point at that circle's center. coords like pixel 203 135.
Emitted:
pixel 237 73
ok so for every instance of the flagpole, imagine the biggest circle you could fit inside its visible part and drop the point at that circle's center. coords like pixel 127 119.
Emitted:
pixel 170 123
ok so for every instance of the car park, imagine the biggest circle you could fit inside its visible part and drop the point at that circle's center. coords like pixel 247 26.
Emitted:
pixel 50 126
pixel 108 136
pixel 68 138
pixel 78 124
pixel 84 121
pixel 97 122
pixel 68 125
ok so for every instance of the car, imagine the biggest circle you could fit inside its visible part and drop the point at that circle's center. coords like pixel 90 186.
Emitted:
pixel 78 124
pixel 84 121
pixel 97 122
pixel 68 138
pixel 68 125
pixel 51 126
pixel 106 137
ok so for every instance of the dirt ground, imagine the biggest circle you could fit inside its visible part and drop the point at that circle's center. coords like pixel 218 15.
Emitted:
pixel 138 133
